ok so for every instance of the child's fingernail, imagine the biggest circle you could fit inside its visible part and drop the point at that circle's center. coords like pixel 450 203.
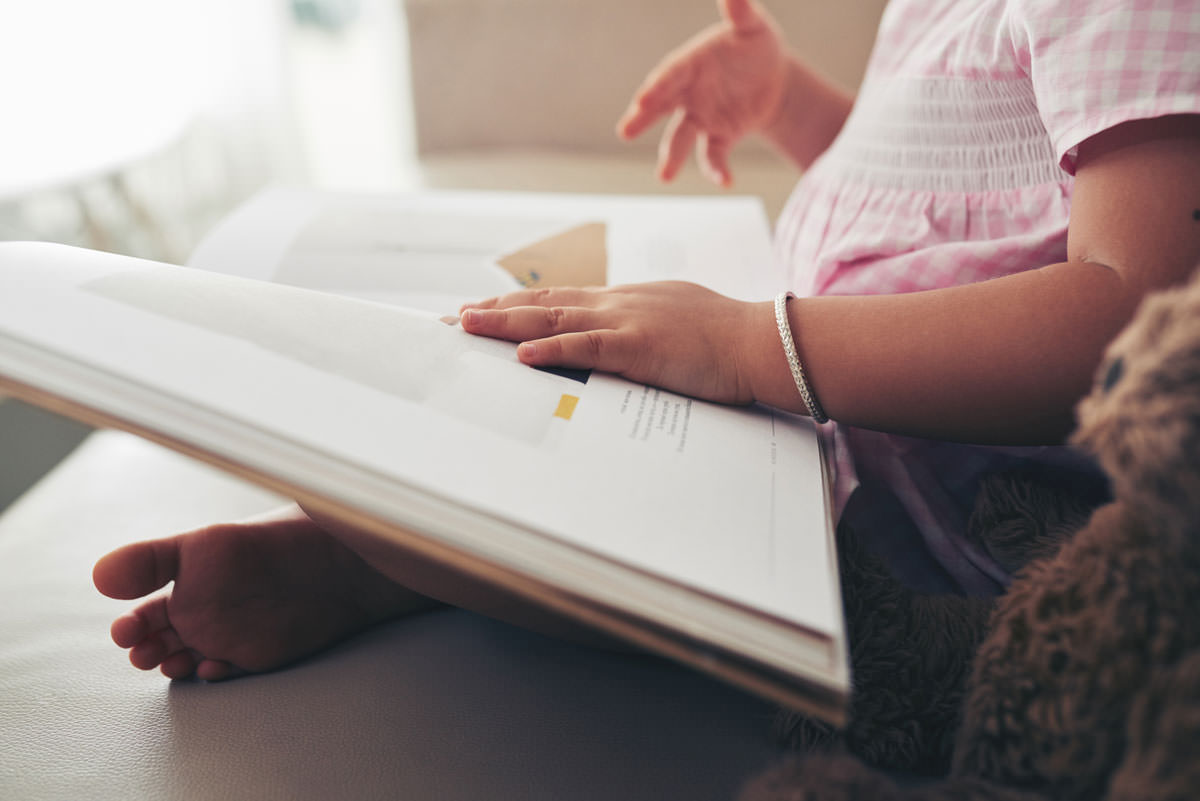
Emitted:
pixel 527 349
pixel 471 317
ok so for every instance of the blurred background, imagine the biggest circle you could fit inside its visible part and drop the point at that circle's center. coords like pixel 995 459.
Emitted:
pixel 134 125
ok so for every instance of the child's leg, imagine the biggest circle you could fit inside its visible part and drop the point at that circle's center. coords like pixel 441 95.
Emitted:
pixel 256 595
pixel 436 581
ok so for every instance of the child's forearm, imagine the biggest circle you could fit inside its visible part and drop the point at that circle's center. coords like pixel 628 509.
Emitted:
pixel 810 116
pixel 1001 362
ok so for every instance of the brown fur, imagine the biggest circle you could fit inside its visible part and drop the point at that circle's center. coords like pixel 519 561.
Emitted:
pixel 1085 679
pixel 910 657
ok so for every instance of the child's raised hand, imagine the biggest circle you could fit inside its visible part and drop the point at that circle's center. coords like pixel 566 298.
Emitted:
pixel 726 82
pixel 671 334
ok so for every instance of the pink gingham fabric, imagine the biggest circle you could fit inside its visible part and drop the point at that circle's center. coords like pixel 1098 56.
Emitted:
pixel 956 166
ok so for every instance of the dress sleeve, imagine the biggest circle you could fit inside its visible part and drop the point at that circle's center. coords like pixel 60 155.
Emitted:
pixel 1097 63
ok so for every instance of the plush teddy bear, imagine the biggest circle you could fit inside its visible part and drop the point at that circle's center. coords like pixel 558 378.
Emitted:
pixel 1083 680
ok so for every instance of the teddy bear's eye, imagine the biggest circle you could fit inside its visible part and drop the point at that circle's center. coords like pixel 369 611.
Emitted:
pixel 1116 368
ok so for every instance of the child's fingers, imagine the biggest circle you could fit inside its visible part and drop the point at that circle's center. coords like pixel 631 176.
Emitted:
pixel 713 152
pixel 548 296
pixel 601 350
pixel 676 144
pixel 666 84
pixel 743 15
pixel 529 322
pixel 663 90
pixel 636 119
pixel 486 303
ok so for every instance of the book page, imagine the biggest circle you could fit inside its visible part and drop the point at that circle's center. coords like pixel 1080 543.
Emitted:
pixel 727 500
pixel 438 250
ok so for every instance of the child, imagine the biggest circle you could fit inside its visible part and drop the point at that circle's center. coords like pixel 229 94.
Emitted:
pixel 970 232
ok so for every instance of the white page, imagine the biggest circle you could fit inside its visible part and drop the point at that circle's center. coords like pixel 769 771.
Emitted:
pixel 437 250
pixel 713 498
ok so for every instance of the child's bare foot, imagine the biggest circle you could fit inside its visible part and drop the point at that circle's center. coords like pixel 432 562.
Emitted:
pixel 247 596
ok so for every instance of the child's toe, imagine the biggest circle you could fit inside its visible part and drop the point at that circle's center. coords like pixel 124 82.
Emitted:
pixel 138 569
pixel 179 665
pixel 153 650
pixel 215 670
pixel 132 627
pixel 128 630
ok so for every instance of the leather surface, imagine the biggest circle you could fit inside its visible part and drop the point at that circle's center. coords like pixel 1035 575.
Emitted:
pixel 444 706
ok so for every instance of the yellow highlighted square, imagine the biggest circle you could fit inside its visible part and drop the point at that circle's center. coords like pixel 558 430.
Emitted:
pixel 566 406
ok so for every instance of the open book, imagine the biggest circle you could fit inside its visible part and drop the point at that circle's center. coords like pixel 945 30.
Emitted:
pixel 311 348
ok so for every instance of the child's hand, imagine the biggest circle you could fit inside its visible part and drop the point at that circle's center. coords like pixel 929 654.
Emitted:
pixel 726 82
pixel 674 335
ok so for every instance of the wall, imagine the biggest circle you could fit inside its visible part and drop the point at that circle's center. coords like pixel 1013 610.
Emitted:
pixel 558 73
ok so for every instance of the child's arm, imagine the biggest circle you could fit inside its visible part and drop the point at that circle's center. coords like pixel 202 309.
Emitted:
pixel 1002 361
pixel 811 114
pixel 733 79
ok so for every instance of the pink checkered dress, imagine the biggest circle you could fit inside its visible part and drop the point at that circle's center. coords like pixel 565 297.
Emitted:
pixel 955 166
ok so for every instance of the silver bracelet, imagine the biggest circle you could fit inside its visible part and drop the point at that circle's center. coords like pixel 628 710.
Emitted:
pixel 789 349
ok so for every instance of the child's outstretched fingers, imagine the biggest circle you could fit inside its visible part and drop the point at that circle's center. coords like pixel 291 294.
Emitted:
pixel 721 85
pixel 659 94
pixel 666 86
pixel 714 159
pixel 677 143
